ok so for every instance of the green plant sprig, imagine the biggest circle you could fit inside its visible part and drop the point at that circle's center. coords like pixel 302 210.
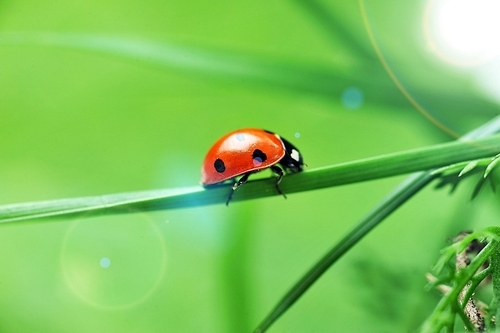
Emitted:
pixel 444 314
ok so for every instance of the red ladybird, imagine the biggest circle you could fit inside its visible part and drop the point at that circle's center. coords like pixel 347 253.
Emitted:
pixel 246 151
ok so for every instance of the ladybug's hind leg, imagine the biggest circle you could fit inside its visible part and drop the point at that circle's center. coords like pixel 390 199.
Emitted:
pixel 236 185
pixel 279 171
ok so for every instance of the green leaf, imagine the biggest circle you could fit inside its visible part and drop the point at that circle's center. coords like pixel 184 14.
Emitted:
pixel 492 165
pixel 452 168
pixel 469 167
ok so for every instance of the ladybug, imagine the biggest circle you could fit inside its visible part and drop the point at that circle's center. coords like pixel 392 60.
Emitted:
pixel 247 151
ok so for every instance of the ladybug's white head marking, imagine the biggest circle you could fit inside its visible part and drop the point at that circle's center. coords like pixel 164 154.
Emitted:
pixel 295 154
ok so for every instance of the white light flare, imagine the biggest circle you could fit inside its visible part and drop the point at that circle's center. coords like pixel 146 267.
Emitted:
pixel 464 33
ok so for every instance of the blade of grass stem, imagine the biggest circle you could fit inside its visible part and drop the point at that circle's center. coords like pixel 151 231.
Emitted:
pixel 340 174
pixel 239 68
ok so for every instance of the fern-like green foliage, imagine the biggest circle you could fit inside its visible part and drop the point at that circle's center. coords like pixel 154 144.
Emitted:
pixel 462 283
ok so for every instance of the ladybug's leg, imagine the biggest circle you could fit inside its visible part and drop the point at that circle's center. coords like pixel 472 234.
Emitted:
pixel 280 173
pixel 236 185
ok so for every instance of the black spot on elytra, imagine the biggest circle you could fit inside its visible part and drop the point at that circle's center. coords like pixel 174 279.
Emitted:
pixel 259 156
pixel 219 165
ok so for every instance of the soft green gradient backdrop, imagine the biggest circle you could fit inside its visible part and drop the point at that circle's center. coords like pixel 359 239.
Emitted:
pixel 79 120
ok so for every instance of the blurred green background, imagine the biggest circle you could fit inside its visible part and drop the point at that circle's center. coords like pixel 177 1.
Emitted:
pixel 106 97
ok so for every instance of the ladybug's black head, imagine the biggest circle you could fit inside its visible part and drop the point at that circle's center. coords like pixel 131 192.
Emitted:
pixel 292 161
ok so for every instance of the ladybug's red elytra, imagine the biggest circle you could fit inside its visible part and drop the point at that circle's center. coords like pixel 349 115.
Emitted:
pixel 247 151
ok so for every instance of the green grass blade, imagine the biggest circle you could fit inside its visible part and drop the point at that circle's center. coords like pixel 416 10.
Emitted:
pixel 346 173
pixel 211 63
pixel 238 68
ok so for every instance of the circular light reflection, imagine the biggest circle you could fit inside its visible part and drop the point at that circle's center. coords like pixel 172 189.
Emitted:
pixel 139 260
pixel 463 32
pixel 352 98
pixel 105 262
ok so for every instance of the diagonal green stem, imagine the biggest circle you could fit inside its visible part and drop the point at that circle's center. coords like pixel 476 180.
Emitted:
pixel 389 204
pixel 395 199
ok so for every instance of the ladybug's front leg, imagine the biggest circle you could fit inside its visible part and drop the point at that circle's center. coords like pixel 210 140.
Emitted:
pixel 236 185
pixel 280 173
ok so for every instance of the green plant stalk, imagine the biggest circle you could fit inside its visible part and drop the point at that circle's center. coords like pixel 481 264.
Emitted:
pixel 489 320
pixel 495 275
pixel 450 324
pixel 456 308
pixel 475 281
pixel 341 174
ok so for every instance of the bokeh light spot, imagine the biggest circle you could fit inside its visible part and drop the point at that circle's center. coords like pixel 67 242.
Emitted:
pixel 352 98
pixel 257 161
pixel 128 239
pixel 105 262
